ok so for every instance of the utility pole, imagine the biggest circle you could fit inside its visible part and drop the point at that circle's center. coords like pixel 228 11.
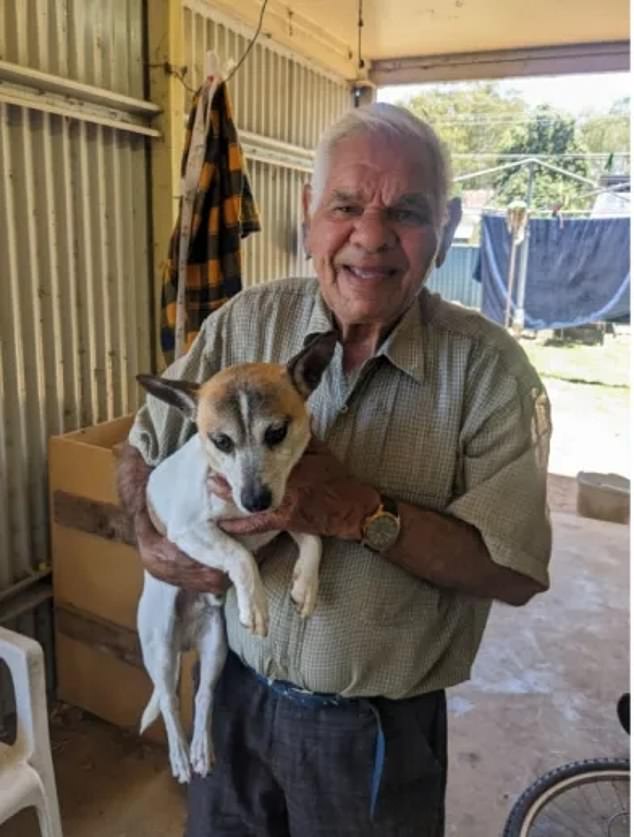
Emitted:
pixel 519 315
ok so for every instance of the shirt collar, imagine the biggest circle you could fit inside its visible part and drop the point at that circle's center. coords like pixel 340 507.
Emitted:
pixel 404 347
pixel 321 318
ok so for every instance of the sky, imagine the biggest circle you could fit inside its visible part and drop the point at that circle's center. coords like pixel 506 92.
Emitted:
pixel 576 93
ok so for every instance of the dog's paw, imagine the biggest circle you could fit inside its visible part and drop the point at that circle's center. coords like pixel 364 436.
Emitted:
pixel 254 613
pixel 201 754
pixel 256 620
pixel 179 760
pixel 304 593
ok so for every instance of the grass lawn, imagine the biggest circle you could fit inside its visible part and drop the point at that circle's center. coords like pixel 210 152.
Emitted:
pixel 608 364
pixel 588 387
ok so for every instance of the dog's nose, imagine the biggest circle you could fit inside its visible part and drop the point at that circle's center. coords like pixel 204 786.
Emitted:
pixel 256 498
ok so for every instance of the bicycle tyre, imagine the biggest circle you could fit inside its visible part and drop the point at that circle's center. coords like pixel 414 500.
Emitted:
pixel 551 784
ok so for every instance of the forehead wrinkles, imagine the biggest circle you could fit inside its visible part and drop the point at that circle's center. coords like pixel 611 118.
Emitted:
pixel 380 170
pixel 367 185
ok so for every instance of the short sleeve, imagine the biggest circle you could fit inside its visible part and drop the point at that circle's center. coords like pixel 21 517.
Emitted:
pixel 159 429
pixel 503 474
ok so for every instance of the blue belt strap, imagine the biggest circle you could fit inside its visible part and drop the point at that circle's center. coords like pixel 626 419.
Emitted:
pixel 319 700
pixel 379 760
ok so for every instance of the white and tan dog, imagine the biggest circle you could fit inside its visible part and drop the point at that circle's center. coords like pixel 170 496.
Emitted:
pixel 253 427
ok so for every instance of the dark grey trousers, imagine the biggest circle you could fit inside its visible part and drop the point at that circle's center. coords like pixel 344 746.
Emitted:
pixel 285 769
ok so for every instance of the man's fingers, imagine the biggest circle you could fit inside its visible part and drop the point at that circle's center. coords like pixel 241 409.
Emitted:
pixel 253 525
pixel 218 485
pixel 166 562
pixel 192 575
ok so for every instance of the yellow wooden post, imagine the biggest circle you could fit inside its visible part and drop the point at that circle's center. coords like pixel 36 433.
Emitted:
pixel 166 56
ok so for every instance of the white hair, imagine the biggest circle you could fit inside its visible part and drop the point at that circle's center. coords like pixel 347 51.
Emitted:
pixel 389 121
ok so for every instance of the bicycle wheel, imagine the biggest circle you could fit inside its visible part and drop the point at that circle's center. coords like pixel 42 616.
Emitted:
pixel 582 799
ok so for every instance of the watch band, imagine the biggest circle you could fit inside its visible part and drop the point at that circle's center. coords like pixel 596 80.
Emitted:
pixel 388 509
pixel 389 505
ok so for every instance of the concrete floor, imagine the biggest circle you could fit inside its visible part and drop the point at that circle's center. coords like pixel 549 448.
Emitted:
pixel 546 681
pixel 543 692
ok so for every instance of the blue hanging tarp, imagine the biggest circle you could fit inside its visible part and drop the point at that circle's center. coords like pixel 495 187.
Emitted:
pixel 578 270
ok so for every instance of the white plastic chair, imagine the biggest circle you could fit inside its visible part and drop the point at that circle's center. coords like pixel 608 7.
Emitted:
pixel 26 767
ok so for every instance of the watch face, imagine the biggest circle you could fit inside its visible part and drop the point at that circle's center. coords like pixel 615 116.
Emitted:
pixel 382 532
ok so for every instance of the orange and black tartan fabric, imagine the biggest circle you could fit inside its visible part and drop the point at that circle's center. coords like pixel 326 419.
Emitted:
pixel 224 212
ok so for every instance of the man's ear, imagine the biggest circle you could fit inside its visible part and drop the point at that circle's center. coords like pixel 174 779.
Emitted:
pixel 307 193
pixel 180 394
pixel 306 198
pixel 306 368
pixel 454 214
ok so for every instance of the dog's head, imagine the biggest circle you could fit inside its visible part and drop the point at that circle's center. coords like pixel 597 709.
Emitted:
pixel 252 419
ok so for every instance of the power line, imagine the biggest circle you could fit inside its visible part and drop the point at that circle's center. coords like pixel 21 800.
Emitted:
pixel 483 119
pixel 590 155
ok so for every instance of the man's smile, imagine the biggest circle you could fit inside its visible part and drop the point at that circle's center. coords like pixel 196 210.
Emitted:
pixel 366 273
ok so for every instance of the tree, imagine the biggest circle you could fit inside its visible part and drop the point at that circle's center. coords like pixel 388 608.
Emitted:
pixel 548 132
pixel 609 133
pixel 471 118
pixel 478 118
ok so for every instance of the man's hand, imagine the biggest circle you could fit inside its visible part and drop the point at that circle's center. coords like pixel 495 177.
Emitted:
pixel 165 561
pixel 322 498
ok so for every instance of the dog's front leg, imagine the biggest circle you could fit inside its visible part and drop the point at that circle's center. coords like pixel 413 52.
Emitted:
pixel 212 653
pixel 306 573
pixel 211 546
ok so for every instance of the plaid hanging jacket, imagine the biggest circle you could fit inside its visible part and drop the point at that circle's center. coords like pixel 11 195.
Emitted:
pixel 224 211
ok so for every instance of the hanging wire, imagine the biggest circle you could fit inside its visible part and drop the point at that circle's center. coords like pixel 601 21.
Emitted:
pixel 360 30
pixel 251 44
pixel 181 72
pixel 177 72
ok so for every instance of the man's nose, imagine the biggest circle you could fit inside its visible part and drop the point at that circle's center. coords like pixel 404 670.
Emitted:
pixel 256 498
pixel 373 232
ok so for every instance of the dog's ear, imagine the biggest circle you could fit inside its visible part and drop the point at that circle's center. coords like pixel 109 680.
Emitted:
pixel 306 368
pixel 180 394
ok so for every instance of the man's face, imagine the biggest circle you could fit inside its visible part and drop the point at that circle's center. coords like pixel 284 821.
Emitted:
pixel 375 232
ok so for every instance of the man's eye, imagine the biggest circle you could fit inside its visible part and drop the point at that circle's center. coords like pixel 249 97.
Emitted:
pixel 345 209
pixel 275 434
pixel 408 216
pixel 222 442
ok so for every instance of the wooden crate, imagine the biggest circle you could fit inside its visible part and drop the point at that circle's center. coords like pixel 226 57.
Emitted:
pixel 97 581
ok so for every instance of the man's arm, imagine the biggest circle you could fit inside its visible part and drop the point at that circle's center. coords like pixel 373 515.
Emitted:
pixel 324 499
pixel 451 553
pixel 160 557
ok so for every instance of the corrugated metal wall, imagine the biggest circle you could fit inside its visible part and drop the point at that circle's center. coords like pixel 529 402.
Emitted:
pixel 454 280
pixel 74 256
pixel 97 42
pixel 281 104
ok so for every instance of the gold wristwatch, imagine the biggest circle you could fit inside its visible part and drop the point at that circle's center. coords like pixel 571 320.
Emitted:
pixel 381 529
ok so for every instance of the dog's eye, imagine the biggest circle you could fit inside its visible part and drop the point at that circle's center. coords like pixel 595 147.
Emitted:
pixel 275 434
pixel 222 442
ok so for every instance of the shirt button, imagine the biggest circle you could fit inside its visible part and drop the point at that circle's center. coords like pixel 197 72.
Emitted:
pixel 343 409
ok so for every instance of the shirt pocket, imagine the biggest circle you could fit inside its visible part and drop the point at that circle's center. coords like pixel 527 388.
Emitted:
pixel 392 597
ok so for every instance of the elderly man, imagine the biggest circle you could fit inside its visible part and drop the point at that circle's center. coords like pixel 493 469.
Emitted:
pixel 427 482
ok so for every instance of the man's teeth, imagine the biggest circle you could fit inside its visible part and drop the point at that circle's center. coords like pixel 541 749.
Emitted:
pixel 369 273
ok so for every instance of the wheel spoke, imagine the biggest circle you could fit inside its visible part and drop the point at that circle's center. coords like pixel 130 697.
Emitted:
pixel 581 799
pixel 598 808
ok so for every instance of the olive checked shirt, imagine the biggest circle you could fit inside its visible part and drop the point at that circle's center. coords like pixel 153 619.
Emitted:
pixel 448 415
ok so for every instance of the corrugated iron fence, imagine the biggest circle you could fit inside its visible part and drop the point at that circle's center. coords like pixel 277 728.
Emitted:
pixel 75 295
pixel 454 280
pixel 74 259
pixel 281 103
